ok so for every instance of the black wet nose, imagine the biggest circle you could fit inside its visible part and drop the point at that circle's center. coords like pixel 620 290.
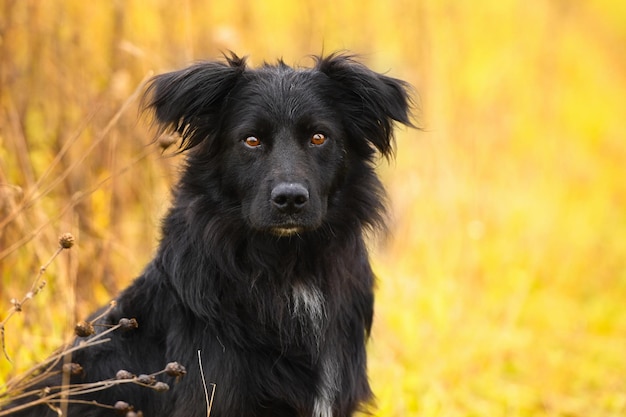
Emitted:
pixel 289 197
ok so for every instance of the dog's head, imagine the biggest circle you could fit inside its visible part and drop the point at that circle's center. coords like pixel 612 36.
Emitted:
pixel 282 141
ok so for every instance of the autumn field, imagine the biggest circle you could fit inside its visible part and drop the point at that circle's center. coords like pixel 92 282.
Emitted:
pixel 502 282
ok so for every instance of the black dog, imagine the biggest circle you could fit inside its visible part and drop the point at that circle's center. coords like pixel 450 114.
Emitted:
pixel 262 265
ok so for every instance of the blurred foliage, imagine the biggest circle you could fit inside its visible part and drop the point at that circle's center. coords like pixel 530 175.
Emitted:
pixel 503 285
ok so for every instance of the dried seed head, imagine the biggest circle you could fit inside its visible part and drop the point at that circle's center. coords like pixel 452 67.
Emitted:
pixel 83 329
pixel 73 369
pixel 122 407
pixel 128 324
pixel 66 240
pixel 124 374
pixel 175 369
pixel 146 379
pixel 161 386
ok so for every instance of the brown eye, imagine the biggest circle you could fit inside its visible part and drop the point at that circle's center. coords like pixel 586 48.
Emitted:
pixel 318 139
pixel 252 141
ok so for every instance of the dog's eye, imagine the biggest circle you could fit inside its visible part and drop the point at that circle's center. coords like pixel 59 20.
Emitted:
pixel 318 139
pixel 252 141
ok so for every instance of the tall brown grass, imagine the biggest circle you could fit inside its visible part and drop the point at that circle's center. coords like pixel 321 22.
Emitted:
pixel 502 286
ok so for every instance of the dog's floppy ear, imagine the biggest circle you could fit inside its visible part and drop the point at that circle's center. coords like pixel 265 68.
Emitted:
pixel 189 101
pixel 372 101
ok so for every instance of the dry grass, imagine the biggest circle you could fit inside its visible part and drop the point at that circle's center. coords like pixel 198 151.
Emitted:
pixel 502 289
pixel 36 385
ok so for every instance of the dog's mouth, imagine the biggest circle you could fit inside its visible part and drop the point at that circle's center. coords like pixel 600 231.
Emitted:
pixel 289 227
pixel 270 220
pixel 286 231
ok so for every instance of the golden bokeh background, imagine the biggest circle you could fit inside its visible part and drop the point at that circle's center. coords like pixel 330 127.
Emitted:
pixel 502 287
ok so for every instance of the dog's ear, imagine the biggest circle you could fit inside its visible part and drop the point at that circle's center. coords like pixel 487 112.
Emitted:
pixel 372 101
pixel 189 101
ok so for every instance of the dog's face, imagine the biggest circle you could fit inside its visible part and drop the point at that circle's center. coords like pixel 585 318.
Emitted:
pixel 283 149
pixel 283 140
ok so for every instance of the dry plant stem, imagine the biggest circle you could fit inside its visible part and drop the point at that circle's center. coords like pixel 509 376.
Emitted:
pixel 25 381
pixel 50 363
pixel 32 198
pixel 212 396
pixel 76 198
pixel 65 382
pixel 111 306
pixel 34 290
pixel 66 391
pixel 77 389
pixel 209 401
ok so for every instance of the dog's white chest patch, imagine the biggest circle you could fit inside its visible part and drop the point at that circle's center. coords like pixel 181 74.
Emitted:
pixel 327 388
pixel 309 306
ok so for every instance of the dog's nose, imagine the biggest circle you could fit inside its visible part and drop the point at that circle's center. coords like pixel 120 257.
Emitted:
pixel 289 197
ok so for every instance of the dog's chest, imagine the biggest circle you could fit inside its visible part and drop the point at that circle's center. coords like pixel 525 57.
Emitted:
pixel 309 307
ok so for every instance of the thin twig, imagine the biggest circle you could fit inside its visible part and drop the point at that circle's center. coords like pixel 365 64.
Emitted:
pixel 76 389
pixel 209 401
pixel 34 290
pixel 212 396
pixel 32 197
pixel 50 362
pixel 74 200
pixel 62 394
pixel 206 392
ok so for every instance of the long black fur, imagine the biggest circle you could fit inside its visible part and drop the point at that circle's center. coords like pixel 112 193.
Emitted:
pixel 279 301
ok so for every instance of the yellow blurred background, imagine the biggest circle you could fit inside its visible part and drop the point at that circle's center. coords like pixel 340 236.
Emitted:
pixel 502 287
